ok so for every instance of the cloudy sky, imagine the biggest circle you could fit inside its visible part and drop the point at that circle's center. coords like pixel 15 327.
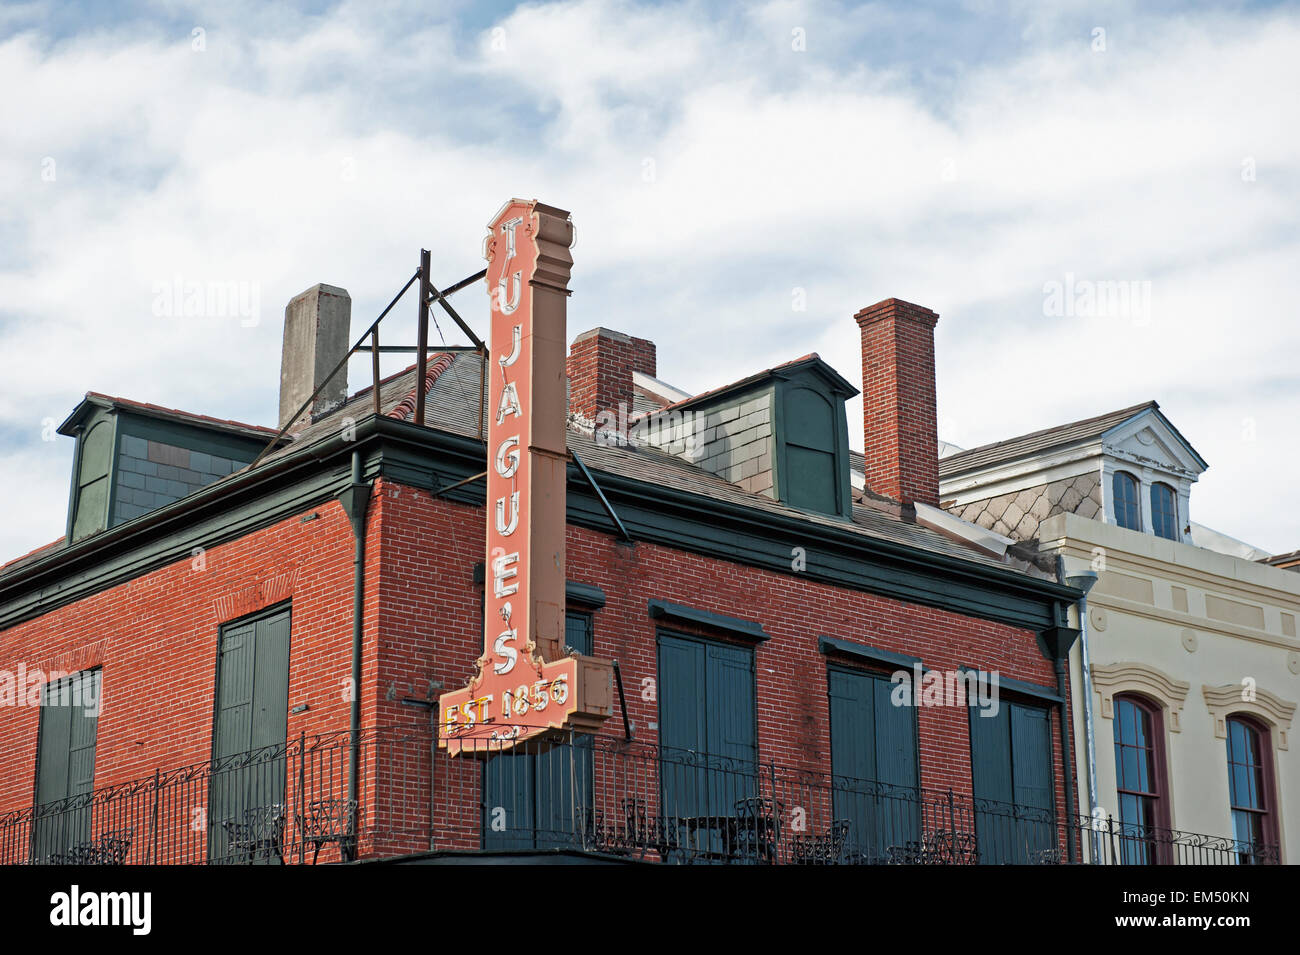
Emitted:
pixel 743 178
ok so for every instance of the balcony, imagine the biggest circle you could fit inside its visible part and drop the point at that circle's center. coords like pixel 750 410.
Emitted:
pixel 291 805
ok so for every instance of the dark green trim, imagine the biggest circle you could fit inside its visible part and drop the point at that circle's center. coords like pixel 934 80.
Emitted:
pixel 309 475
pixel 114 461
pixel 832 645
pixel 588 595
pixel 1047 693
pixel 355 499
pixel 72 490
pixel 813 380
pixel 95 417
pixel 1056 641
pixel 678 613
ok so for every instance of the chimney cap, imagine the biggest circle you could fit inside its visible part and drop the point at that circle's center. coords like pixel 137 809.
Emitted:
pixel 601 331
pixel 322 289
pixel 896 308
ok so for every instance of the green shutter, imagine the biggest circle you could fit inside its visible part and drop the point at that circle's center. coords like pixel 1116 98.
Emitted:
pixel 811 464
pixel 95 456
pixel 533 793
pixel 509 800
pixel 252 714
pixel 270 716
pixel 1031 754
pixel 1011 769
pixel 65 756
pixel 234 731
pixel 706 731
pixel 873 764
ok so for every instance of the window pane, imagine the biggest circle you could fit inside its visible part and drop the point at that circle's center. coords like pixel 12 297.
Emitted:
pixel 1127 509
pixel 1245 767
pixel 1164 511
pixel 1136 780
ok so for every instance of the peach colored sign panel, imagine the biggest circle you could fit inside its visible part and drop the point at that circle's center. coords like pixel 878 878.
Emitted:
pixel 515 694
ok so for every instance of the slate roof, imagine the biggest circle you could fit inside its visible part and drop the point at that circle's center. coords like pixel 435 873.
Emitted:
pixel 1037 442
pixel 452 404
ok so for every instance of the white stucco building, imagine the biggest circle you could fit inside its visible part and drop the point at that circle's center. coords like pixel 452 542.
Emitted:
pixel 1186 677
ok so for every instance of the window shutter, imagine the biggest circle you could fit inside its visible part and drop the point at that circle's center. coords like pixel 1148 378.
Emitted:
pixel 235 667
pixel 66 742
pixel 1031 748
pixel 270 716
pixel 873 759
pixel 252 715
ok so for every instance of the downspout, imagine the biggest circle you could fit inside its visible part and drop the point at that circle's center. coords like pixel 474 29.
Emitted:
pixel 1085 582
pixel 355 499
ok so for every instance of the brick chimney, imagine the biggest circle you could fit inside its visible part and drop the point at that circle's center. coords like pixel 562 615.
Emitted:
pixel 898 404
pixel 316 326
pixel 600 366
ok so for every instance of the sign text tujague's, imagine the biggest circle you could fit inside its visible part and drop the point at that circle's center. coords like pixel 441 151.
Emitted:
pixel 524 683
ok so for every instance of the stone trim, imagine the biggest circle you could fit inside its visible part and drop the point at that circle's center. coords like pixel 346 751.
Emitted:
pixel 1116 678
pixel 1226 700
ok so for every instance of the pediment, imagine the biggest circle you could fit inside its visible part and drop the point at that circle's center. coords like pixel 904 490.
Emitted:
pixel 1148 439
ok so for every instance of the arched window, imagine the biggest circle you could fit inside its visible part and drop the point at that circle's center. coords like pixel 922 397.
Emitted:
pixel 811 464
pixel 1128 511
pixel 1249 790
pixel 1140 780
pixel 91 513
pixel 1164 512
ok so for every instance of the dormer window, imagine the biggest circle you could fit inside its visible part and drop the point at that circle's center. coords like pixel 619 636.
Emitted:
pixel 781 433
pixel 1128 506
pixel 812 467
pixel 91 480
pixel 1164 511
pixel 133 458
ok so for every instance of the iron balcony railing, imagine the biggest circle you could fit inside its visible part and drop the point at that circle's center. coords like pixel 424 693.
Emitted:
pixel 288 804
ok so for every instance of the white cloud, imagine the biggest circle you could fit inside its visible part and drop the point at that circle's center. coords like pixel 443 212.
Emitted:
pixel 300 149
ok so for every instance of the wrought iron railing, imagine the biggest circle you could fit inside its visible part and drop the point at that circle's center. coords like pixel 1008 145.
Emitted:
pixel 289 804
pixel 276 804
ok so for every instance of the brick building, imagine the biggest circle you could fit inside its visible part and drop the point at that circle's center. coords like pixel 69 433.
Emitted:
pixel 190 642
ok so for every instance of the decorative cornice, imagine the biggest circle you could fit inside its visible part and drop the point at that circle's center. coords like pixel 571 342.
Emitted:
pixel 1232 698
pixel 1116 678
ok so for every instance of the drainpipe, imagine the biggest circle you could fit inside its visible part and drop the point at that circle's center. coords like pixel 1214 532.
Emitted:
pixel 1085 582
pixel 355 499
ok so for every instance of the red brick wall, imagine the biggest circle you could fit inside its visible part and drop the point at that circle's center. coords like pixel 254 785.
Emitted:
pixel 898 400
pixel 156 638
pixel 441 541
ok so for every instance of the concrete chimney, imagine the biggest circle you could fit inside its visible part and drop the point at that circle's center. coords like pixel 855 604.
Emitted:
pixel 600 366
pixel 316 328
pixel 898 404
